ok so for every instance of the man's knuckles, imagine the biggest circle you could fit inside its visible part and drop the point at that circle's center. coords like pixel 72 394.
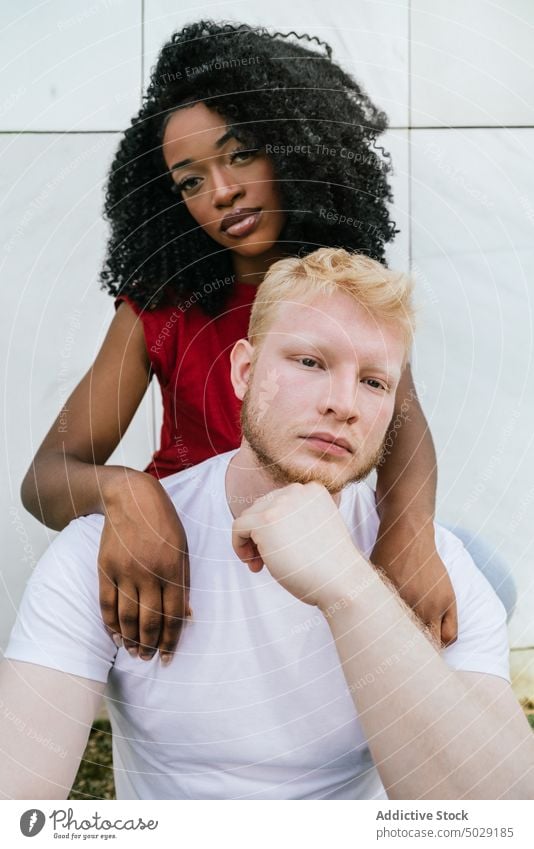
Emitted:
pixel 274 513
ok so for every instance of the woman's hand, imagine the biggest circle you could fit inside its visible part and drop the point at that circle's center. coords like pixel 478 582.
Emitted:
pixel 143 566
pixel 406 551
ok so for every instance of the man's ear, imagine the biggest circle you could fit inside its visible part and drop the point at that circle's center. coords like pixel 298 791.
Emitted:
pixel 241 361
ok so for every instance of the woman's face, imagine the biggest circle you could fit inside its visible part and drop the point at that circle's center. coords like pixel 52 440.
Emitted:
pixel 228 188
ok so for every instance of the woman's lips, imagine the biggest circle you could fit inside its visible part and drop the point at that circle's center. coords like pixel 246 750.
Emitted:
pixel 245 225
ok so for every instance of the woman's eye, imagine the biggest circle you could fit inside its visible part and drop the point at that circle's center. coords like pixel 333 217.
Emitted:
pixel 238 155
pixel 242 154
pixel 187 185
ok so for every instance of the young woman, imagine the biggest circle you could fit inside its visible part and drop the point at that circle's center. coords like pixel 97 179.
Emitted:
pixel 248 147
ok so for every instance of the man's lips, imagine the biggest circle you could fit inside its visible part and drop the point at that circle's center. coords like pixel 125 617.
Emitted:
pixel 239 216
pixel 329 443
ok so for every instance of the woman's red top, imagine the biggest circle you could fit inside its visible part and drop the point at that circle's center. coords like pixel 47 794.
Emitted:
pixel 190 355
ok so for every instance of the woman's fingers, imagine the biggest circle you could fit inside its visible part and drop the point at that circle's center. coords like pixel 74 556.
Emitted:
pixel 144 580
pixel 128 604
pixel 108 597
pixel 175 609
pixel 150 620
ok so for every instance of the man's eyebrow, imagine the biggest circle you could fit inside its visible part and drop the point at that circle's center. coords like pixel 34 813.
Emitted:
pixel 230 134
pixel 321 347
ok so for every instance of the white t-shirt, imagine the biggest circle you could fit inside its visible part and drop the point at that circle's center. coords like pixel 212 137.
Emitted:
pixel 254 704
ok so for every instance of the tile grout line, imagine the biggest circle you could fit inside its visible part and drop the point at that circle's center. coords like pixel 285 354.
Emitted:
pixel 466 127
pixel 410 198
pixel 153 399
pixel 58 132
pixel 390 127
pixel 142 81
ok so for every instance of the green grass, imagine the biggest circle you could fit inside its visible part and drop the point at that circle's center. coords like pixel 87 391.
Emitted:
pixel 95 775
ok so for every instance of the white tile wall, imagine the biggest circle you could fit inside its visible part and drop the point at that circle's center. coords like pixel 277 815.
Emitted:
pixel 481 185
pixel 472 63
pixel 369 38
pixel 54 315
pixel 69 66
pixel 473 253
pixel 396 143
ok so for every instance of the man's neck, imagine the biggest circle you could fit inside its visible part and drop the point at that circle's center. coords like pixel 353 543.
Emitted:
pixel 247 481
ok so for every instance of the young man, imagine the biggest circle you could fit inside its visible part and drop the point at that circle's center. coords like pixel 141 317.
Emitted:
pixel 303 676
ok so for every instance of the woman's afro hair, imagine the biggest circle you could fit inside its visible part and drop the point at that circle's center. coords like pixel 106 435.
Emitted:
pixel 277 93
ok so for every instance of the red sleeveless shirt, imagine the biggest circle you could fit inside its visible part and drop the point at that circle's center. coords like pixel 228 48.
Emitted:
pixel 189 353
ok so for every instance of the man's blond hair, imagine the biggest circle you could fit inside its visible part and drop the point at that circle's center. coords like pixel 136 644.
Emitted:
pixel 385 294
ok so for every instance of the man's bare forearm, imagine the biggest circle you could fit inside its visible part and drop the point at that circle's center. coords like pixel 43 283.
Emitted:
pixel 429 735
pixel 407 476
pixel 43 704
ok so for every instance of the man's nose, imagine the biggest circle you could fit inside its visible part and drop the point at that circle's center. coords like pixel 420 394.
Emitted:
pixel 342 400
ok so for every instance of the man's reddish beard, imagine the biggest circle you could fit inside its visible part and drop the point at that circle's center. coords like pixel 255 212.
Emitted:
pixel 285 473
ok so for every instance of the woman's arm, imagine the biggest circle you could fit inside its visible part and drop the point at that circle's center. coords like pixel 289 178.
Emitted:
pixel 405 495
pixel 67 477
pixel 142 559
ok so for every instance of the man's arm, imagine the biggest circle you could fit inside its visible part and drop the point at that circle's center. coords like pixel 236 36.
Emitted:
pixel 434 733
pixel 45 720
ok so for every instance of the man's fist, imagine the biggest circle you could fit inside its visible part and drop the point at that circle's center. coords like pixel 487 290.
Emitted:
pixel 298 533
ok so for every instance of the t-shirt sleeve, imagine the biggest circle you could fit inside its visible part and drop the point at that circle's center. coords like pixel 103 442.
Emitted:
pixel 59 624
pixel 482 644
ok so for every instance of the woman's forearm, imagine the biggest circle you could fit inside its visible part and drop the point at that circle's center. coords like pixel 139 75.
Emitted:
pixel 407 474
pixel 67 477
pixel 405 547
pixel 59 487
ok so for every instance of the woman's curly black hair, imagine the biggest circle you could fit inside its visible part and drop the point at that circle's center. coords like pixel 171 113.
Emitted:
pixel 278 94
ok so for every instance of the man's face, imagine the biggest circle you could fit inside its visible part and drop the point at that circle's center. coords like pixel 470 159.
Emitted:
pixel 321 392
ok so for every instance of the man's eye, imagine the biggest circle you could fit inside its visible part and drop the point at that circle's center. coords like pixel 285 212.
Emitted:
pixel 375 384
pixel 309 362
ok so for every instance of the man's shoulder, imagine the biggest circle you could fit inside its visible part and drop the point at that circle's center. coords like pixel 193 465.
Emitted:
pixel 81 537
pixel 468 580
pixel 482 644
pixel 207 477
pixel 358 508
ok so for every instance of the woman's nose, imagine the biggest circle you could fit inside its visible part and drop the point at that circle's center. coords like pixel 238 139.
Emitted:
pixel 225 192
